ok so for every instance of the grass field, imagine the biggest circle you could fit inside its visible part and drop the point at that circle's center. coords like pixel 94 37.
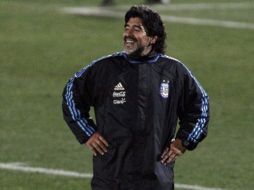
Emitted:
pixel 41 47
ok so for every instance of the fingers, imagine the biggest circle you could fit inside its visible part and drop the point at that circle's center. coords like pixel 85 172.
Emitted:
pixel 92 149
pixel 104 142
pixel 167 157
pixel 100 145
pixel 97 144
pixel 170 155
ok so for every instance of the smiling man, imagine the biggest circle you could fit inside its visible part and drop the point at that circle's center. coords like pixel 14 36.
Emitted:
pixel 138 96
pixel 136 41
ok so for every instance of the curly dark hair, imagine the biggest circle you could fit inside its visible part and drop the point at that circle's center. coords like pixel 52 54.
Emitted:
pixel 152 23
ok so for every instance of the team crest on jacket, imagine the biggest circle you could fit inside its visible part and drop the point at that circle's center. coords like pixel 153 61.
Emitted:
pixel 164 89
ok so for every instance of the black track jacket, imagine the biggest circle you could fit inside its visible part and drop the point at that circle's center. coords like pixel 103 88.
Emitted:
pixel 137 104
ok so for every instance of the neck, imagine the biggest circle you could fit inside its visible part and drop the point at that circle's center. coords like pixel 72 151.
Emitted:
pixel 142 59
pixel 141 54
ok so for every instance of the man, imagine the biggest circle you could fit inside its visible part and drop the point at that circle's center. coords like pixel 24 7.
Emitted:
pixel 138 95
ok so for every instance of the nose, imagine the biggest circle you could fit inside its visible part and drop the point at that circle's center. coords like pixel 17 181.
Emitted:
pixel 128 32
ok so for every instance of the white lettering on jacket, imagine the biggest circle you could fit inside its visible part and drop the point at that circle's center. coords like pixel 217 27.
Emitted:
pixel 121 101
pixel 119 94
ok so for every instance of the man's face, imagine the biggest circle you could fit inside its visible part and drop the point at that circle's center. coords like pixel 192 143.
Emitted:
pixel 136 41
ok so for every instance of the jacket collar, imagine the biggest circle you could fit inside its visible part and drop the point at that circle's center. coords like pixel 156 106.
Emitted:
pixel 151 58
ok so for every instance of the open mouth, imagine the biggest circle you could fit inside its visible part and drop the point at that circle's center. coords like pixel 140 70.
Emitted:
pixel 129 41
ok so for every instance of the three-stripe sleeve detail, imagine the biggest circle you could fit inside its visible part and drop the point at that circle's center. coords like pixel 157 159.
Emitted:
pixel 199 128
pixel 194 136
pixel 75 112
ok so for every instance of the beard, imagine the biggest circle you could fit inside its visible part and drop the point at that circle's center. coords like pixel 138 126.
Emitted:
pixel 134 50
pixel 135 53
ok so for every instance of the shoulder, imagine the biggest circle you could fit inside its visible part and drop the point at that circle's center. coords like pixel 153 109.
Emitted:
pixel 171 60
pixel 100 63
pixel 108 58
pixel 173 63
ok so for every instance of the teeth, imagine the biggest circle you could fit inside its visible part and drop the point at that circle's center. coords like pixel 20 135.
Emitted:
pixel 129 41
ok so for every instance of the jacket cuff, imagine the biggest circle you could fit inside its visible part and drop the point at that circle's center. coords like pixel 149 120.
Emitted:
pixel 189 145
pixel 84 138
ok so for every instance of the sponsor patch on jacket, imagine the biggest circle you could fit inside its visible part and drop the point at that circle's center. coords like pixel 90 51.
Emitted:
pixel 119 94
pixel 164 89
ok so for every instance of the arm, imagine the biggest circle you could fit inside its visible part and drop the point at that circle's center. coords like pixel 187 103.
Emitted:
pixel 193 113
pixel 77 99
pixel 193 110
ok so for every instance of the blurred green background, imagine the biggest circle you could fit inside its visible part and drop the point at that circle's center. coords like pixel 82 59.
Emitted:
pixel 40 49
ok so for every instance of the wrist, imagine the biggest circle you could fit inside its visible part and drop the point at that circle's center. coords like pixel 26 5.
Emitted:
pixel 179 145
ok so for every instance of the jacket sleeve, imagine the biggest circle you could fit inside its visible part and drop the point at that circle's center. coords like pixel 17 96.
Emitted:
pixel 193 112
pixel 77 99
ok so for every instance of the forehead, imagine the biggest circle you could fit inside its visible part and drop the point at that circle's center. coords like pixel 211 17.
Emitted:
pixel 134 21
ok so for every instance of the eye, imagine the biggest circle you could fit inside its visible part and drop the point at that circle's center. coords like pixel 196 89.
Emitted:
pixel 126 28
pixel 137 29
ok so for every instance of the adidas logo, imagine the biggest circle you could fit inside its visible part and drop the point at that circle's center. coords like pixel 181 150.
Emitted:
pixel 119 86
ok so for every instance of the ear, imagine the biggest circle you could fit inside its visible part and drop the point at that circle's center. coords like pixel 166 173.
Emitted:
pixel 154 39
